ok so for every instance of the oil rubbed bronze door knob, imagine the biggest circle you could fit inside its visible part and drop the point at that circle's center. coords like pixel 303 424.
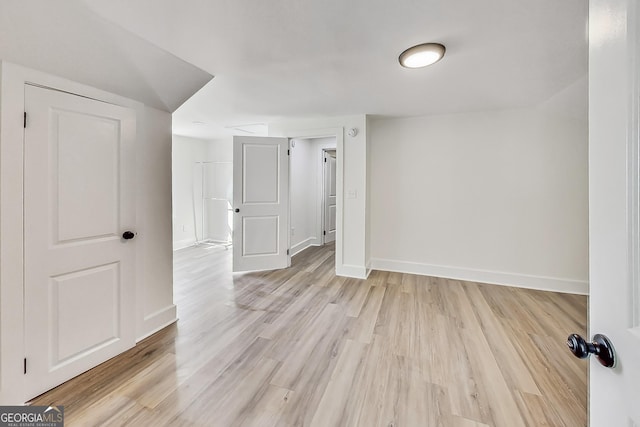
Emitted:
pixel 128 235
pixel 601 347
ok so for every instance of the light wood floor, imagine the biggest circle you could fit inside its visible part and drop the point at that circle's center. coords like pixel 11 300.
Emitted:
pixel 302 347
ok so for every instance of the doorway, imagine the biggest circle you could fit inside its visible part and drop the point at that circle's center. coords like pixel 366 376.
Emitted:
pixel 202 188
pixel 313 192
pixel 278 198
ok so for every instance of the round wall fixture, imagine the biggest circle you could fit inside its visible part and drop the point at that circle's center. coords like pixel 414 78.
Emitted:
pixel 352 132
pixel 422 55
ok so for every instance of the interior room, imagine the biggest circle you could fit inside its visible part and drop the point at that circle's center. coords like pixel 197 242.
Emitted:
pixel 202 185
pixel 390 213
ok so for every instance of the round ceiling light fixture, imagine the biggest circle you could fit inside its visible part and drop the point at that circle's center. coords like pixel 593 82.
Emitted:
pixel 422 55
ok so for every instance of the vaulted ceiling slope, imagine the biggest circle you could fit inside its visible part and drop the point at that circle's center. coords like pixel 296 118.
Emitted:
pixel 295 58
pixel 68 39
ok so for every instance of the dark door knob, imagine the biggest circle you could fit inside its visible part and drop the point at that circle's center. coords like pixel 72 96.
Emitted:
pixel 128 235
pixel 237 210
pixel 601 347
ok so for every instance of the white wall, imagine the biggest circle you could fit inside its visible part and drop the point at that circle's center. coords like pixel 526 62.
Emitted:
pixel 185 153
pixel 497 197
pixel 302 187
pixel 187 182
pixel 153 217
pixel 219 179
pixel 154 267
pixel 306 172
pixel 367 232
pixel 351 180
pixel 220 150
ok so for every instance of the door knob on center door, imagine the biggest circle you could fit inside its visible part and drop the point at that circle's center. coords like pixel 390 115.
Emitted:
pixel 237 210
pixel 601 347
pixel 128 235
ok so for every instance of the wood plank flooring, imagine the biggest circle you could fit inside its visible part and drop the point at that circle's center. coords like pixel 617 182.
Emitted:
pixel 302 347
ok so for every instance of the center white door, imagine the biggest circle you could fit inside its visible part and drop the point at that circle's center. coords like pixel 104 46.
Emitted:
pixel 614 208
pixel 78 201
pixel 329 197
pixel 260 203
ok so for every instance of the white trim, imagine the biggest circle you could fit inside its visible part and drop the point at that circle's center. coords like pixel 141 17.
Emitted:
pixel 633 159
pixel 158 320
pixel 289 199
pixel 527 281
pixel 296 249
pixel 355 271
pixel 184 243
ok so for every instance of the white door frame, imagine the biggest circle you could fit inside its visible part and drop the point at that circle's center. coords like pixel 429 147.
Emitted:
pixel 323 206
pixel 338 134
pixel 12 101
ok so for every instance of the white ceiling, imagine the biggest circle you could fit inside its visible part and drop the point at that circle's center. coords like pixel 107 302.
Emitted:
pixel 303 58
pixel 67 39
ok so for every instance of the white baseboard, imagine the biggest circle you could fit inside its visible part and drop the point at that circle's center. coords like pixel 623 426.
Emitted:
pixel 296 249
pixel 368 268
pixel 354 271
pixel 156 321
pixel 543 283
pixel 181 244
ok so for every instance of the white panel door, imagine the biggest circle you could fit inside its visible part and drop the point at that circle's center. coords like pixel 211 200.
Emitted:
pixel 329 197
pixel 614 209
pixel 260 203
pixel 78 201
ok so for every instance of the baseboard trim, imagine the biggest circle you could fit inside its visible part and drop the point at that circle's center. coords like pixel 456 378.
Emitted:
pixel 354 271
pixel 485 276
pixel 157 320
pixel 181 244
pixel 296 249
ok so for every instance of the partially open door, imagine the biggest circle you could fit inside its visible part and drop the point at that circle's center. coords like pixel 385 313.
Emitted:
pixel 329 196
pixel 260 203
pixel 614 212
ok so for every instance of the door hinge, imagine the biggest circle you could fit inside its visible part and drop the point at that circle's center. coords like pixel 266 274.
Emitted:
pixel 24 123
pixel 324 232
pixel 287 251
pixel 25 365
pixel 325 160
pixel 288 152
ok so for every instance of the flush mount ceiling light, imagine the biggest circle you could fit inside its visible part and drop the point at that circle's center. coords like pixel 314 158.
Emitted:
pixel 422 55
